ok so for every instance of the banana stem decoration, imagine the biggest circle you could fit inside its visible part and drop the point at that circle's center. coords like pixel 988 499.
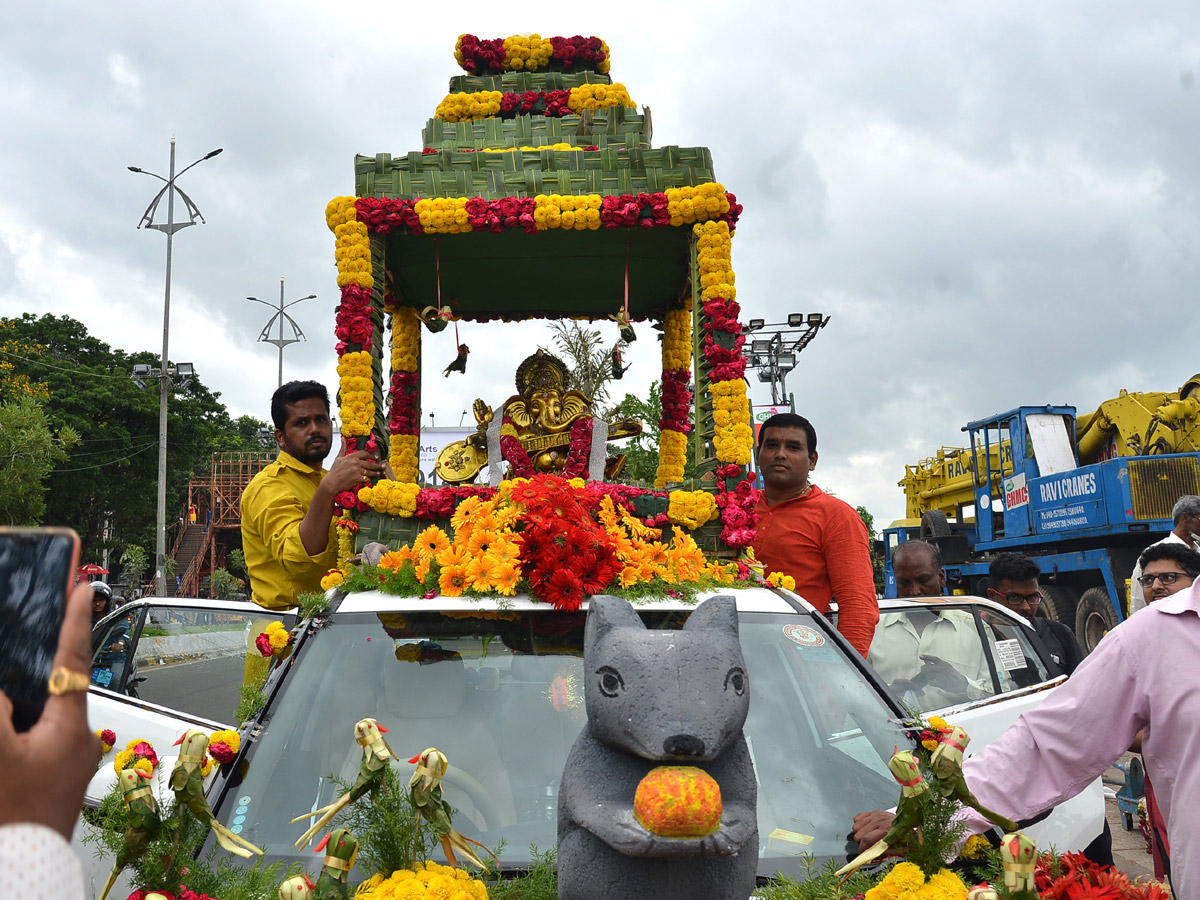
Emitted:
pixel 377 756
pixel 425 790
pixel 912 783
pixel 341 847
pixel 144 822
pixel 188 786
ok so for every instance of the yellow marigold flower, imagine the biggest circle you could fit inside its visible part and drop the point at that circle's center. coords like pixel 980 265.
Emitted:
pixel 144 766
pixel 938 722
pixel 122 760
pixel 227 737
pixel 332 579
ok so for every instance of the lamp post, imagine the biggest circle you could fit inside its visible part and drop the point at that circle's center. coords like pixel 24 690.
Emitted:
pixel 280 315
pixel 774 355
pixel 170 189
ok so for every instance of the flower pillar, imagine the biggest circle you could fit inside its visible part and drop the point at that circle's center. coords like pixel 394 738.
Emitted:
pixel 676 398
pixel 404 417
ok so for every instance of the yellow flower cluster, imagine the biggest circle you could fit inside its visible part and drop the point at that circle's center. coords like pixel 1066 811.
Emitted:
pixel 779 580
pixel 124 759
pixel 677 339
pixel 581 213
pixel 733 440
pixel 278 636
pixel 339 211
pixel 406 339
pixel 486 552
pixel 976 847
pixel 404 450
pixel 443 215
pixel 558 146
pixel 643 555
pixel 599 96
pixel 527 51
pixel 425 881
pixel 345 539
pixel 714 259
pixel 392 498
pixel 462 106
pixel 104 747
pixel 696 204
pixel 332 579
pixel 672 458
pixel 907 882
pixel 229 738
pixel 357 391
pixel 692 509
pixel 353 254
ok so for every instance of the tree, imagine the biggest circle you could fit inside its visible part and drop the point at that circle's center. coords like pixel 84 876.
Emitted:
pixel 235 561
pixel 111 476
pixel 224 586
pixel 29 449
pixel 872 536
pixel 587 360
pixel 133 568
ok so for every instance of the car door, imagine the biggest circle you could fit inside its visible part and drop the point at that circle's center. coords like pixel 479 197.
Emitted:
pixel 1004 670
pixel 161 667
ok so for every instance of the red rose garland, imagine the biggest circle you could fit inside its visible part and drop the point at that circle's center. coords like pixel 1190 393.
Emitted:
pixel 578 451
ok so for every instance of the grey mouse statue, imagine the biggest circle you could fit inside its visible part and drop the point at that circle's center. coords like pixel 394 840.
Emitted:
pixel 655 699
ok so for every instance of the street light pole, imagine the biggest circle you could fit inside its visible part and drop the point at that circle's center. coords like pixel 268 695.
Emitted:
pixel 169 229
pixel 280 315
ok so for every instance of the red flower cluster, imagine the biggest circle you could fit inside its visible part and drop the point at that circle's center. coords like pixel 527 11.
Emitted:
pixel 1081 879
pixel 725 363
pixel 222 752
pixel 580 448
pixel 349 499
pixel 145 751
pixel 353 323
pixel 552 104
pixel 565 555
pixel 486 56
pixel 440 503
pixel 382 214
pixel 737 512
pixel 585 52
pixel 676 401
pixel 482 57
pixel 498 215
pixel 109 737
pixel 403 416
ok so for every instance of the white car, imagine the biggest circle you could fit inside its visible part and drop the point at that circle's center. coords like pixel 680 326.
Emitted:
pixel 497 685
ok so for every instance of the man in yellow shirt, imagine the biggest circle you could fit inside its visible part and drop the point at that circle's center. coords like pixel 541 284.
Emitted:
pixel 288 534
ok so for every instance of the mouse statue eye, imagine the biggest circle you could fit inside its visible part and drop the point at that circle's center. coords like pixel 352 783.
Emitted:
pixel 611 682
pixel 735 680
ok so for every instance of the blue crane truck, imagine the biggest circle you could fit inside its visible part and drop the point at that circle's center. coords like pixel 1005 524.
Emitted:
pixel 1020 486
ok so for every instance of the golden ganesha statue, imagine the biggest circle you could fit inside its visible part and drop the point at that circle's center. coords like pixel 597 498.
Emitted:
pixel 544 429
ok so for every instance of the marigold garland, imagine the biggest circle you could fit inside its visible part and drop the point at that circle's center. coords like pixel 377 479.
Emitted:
pixel 424 881
pixel 530 53
pixel 356 379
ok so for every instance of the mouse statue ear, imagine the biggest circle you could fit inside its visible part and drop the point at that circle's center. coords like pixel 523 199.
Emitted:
pixel 715 613
pixel 606 613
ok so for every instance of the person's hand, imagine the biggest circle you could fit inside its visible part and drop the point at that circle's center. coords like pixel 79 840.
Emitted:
pixel 351 469
pixel 44 772
pixel 939 673
pixel 870 827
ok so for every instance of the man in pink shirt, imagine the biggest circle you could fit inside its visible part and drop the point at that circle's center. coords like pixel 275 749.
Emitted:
pixel 1141 676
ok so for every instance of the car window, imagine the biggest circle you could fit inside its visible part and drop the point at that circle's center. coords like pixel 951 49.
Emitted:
pixel 932 657
pixel 194 660
pixel 110 650
pixel 501 693
pixel 1018 663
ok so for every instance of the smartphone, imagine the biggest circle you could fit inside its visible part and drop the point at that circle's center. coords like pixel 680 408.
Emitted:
pixel 37 566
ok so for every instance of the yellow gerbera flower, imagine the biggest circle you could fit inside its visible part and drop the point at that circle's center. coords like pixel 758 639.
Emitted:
pixel 431 542
pixel 464 513
pixel 454 555
pixel 506 549
pixel 506 578
pixel 480 542
pixel 452 581
pixel 394 560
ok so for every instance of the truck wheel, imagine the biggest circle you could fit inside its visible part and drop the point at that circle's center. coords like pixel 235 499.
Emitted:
pixel 1058 604
pixel 1094 617
pixel 934 524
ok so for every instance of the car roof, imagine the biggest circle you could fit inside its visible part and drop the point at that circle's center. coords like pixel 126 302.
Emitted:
pixel 898 604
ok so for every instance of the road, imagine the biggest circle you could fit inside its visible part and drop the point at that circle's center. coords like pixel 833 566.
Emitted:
pixel 207 687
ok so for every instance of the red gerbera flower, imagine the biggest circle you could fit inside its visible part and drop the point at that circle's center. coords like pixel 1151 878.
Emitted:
pixel 564 590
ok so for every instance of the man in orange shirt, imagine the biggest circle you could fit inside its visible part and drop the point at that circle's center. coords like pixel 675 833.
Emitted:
pixel 816 538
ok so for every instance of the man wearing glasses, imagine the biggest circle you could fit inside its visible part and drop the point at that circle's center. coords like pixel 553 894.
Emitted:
pixel 1186 518
pixel 1014 583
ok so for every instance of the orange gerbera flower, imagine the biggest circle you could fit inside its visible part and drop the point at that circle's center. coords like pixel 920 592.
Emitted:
pixel 394 560
pixel 505 548
pixel 421 569
pixel 452 581
pixel 454 555
pixel 482 571
pixel 464 513
pixel 630 575
pixel 484 520
pixel 431 542
pixel 480 542
pixel 506 578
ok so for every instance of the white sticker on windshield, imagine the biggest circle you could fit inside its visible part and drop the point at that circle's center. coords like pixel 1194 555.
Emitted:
pixel 803 635
pixel 1009 655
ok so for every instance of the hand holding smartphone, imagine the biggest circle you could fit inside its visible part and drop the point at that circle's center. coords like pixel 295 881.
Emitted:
pixel 37 566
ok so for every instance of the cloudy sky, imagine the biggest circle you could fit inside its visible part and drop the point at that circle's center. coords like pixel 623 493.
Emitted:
pixel 996 202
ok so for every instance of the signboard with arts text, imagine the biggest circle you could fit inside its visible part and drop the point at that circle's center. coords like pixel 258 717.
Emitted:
pixel 432 442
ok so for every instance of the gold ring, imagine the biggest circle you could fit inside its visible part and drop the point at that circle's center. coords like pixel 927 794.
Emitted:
pixel 64 681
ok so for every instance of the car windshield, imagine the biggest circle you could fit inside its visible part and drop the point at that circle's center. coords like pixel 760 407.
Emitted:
pixel 501 694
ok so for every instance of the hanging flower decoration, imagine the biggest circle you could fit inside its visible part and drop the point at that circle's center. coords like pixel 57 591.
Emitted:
pixel 530 53
pixel 138 754
pixel 223 746
pixel 108 739
pixel 676 398
pixel 275 641
pixel 403 415
pixel 346 529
